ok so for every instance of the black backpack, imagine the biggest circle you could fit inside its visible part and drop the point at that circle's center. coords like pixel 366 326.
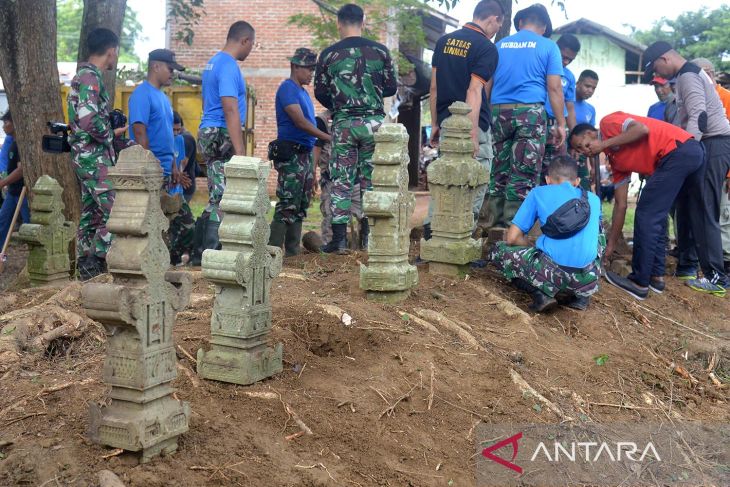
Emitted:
pixel 569 219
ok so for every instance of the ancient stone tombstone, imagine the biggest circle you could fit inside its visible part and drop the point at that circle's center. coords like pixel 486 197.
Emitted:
pixel 388 277
pixel 452 179
pixel 48 235
pixel 138 311
pixel 242 272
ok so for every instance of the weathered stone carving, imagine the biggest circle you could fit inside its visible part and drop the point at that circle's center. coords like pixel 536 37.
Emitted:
pixel 452 180
pixel 48 235
pixel 242 271
pixel 388 277
pixel 138 311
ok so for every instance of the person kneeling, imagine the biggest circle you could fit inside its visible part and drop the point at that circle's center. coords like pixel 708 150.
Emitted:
pixel 566 258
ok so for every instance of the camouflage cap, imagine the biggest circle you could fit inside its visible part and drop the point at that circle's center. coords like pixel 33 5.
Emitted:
pixel 304 57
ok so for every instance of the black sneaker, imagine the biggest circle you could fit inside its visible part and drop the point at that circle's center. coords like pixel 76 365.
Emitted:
pixel 627 285
pixel 579 303
pixel 657 285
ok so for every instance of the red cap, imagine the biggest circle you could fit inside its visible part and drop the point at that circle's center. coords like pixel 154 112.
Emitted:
pixel 658 80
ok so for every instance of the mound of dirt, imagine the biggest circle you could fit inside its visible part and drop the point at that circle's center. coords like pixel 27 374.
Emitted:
pixel 392 399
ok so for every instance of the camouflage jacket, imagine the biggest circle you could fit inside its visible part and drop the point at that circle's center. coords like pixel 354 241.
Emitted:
pixel 353 76
pixel 325 125
pixel 91 136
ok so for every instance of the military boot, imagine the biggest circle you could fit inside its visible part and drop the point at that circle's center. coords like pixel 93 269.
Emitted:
pixel 198 239
pixel 293 239
pixel 278 230
pixel 510 210
pixel 540 301
pixel 364 233
pixel 495 212
pixel 338 244
pixel 211 239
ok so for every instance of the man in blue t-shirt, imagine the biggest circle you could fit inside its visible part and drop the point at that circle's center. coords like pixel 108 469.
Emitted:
pixel 569 265
pixel 150 115
pixel 292 152
pixel 529 66
pixel 665 93
pixel 220 136
pixel 584 89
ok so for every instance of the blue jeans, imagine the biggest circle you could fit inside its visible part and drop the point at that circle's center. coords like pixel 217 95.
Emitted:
pixel 6 215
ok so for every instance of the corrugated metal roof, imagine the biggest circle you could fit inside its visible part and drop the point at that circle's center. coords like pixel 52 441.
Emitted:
pixel 586 26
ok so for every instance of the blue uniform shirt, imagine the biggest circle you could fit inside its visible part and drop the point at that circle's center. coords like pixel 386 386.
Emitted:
pixel 576 251
pixel 222 77
pixel 567 79
pixel 290 93
pixel 585 112
pixel 657 110
pixel 525 61
pixel 150 107
pixel 5 152
pixel 179 156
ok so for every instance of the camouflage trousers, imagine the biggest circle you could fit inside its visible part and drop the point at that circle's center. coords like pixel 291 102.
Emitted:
pixel 538 269
pixel 551 151
pixel 325 205
pixel 216 147
pixel 353 145
pixel 519 146
pixel 97 198
pixel 181 232
pixel 294 187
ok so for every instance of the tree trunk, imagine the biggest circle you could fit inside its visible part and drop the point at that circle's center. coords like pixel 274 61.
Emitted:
pixel 102 13
pixel 507 24
pixel 30 75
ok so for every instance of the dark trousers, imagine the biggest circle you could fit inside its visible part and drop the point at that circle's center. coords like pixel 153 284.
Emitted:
pixel 676 171
pixel 698 223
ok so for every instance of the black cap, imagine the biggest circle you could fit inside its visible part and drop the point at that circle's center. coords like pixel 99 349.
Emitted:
pixel 652 53
pixel 539 10
pixel 165 56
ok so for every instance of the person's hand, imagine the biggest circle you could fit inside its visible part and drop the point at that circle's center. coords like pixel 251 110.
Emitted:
pixel 327 138
pixel 595 147
pixel 185 180
pixel 475 141
pixel 435 134
pixel 175 173
pixel 559 136
pixel 120 131
pixel 610 249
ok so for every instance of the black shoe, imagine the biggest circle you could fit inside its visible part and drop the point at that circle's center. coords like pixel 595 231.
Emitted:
pixel 338 244
pixel 277 232
pixel 579 302
pixel 211 240
pixel 427 231
pixel 541 302
pixel 89 267
pixel 727 267
pixel 293 239
pixel 657 285
pixel 364 233
pixel 627 285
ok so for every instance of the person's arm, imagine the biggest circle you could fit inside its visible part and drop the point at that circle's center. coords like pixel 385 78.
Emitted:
pixel 91 119
pixel 632 132
pixel 621 197
pixel 140 135
pixel 515 236
pixel 233 123
pixel 572 122
pixel 474 100
pixel 13 177
pixel 693 92
pixel 557 103
pixel 390 78
pixel 300 121
pixel 322 84
pixel 435 129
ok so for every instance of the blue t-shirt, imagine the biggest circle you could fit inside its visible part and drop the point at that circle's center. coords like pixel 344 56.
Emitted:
pixel 568 81
pixel 585 112
pixel 657 111
pixel 150 107
pixel 525 61
pixel 576 251
pixel 5 153
pixel 179 156
pixel 290 93
pixel 222 77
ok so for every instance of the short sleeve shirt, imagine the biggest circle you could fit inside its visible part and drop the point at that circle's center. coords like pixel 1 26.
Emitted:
pixel 568 81
pixel 458 57
pixel 585 112
pixel 290 93
pixel 525 61
pixel 222 77
pixel 577 251
pixel 642 156
pixel 13 160
pixel 150 107
pixel 4 152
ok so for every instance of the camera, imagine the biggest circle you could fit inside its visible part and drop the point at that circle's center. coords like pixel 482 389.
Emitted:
pixel 56 144
pixel 117 119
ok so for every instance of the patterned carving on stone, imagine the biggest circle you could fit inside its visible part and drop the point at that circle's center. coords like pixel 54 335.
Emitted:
pixel 242 272
pixel 452 179
pixel 388 277
pixel 138 311
pixel 47 235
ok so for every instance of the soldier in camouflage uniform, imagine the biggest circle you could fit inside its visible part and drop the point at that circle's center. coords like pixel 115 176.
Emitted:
pixel 292 152
pixel 92 151
pixel 351 79
pixel 568 265
pixel 529 67
pixel 322 154
pixel 220 136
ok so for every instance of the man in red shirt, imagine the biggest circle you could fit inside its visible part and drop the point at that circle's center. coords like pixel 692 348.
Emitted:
pixel 673 159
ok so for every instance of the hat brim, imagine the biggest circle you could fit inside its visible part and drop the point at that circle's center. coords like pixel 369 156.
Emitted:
pixel 176 66
pixel 648 75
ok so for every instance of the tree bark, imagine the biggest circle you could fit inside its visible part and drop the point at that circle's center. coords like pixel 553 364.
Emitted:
pixel 30 75
pixel 507 24
pixel 102 13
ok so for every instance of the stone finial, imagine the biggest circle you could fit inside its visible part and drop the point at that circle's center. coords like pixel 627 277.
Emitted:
pixel 388 277
pixel 138 312
pixel 48 235
pixel 242 272
pixel 452 179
